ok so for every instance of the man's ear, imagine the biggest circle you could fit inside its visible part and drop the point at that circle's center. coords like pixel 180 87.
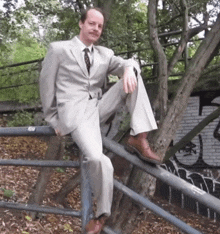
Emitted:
pixel 80 24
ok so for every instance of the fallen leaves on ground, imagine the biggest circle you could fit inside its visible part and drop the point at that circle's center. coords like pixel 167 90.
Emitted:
pixel 19 183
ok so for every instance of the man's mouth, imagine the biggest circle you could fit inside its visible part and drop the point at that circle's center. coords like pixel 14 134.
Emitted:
pixel 94 34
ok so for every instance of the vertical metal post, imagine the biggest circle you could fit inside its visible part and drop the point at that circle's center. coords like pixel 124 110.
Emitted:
pixel 86 195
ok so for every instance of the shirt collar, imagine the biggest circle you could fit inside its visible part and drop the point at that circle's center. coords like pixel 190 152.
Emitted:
pixel 83 46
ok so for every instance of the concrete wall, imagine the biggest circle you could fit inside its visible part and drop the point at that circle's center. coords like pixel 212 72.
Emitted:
pixel 204 146
pixel 199 161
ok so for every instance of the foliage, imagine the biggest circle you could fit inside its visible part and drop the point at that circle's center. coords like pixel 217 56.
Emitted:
pixel 28 29
pixel 28 218
pixel 127 33
pixel 22 118
pixel 7 192
pixel 60 170
pixel 21 82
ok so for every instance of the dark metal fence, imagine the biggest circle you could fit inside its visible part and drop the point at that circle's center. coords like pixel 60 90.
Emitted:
pixel 86 198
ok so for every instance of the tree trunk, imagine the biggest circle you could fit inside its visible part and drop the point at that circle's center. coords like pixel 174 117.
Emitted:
pixel 169 125
pixel 162 98
pixel 170 116
pixel 194 132
pixel 141 183
pixel 70 185
pixel 54 152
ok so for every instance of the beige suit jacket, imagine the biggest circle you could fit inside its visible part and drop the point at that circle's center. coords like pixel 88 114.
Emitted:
pixel 65 85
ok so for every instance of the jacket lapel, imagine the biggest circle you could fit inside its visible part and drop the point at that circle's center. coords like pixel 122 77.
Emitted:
pixel 77 53
pixel 96 62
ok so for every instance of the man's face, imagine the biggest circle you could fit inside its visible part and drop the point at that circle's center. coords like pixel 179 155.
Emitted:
pixel 91 29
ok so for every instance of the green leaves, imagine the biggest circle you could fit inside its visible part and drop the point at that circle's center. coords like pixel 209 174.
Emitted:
pixel 67 227
pixel 24 49
pixel 28 218
pixel 7 192
pixel 60 170
pixel 22 118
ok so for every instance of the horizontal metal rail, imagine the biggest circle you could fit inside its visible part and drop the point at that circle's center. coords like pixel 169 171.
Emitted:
pixel 48 210
pixel 38 163
pixel 27 131
pixel 165 176
pixel 108 230
pixel 22 63
pixel 38 131
pixel 41 209
pixel 156 209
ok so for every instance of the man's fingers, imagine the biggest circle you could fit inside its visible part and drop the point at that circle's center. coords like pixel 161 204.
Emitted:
pixel 57 132
pixel 131 84
pixel 134 84
pixel 130 80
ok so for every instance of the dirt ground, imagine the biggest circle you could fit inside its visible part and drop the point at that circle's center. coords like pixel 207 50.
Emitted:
pixel 16 184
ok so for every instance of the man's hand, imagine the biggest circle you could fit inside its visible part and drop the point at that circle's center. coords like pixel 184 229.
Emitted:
pixel 130 80
pixel 57 132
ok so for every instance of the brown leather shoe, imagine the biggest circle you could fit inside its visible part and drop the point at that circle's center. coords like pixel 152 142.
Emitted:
pixel 96 225
pixel 102 219
pixel 93 226
pixel 139 144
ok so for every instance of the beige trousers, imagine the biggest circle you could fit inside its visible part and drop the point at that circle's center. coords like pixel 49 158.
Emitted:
pixel 88 136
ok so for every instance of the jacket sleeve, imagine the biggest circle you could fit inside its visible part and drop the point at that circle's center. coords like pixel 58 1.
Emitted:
pixel 47 84
pixel 117 65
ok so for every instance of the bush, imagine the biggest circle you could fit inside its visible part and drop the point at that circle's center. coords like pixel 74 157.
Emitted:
pixel 21 118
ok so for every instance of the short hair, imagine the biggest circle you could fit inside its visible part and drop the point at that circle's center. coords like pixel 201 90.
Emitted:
pixel 85 12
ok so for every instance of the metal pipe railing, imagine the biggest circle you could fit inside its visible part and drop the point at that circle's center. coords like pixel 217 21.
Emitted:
pixel 165 176
pixel 156 171
pixel 27 131
pixel 41 209
pixel 86 192
pixel 38 163
pixel 156 209
pixel 108 230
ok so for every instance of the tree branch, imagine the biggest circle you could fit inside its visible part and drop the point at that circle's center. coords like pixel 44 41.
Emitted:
pixel 162 98
pixel 174 115
pixel 170 21
pixel 183 41
pixel 194 132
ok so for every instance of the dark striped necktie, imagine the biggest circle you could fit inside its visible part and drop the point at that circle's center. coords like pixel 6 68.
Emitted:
pixel 86 57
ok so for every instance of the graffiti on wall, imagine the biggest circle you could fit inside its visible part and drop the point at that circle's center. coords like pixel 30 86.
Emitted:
pixel 198 162
pixel 206 183
pixel 204 150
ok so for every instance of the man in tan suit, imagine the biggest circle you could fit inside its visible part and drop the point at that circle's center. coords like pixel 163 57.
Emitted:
pixel 71 81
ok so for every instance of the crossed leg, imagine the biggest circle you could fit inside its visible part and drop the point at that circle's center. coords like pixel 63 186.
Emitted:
pixel 142 118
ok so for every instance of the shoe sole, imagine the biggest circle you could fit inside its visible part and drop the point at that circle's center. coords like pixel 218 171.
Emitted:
pixel 133 150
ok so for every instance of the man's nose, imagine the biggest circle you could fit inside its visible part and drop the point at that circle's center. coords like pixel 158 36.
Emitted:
pixel 96 27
